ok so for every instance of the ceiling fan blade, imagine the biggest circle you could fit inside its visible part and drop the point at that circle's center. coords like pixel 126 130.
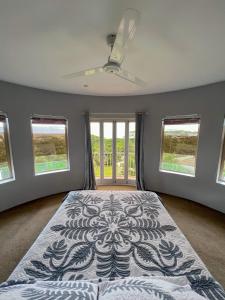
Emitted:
pixel 125 33
pixel 130 77
pixel 87 72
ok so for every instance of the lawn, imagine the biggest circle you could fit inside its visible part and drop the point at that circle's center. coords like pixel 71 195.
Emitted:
pixel 4 172
pixel 178 163
pixel 107 171
pixel 173 167
pixel 49 166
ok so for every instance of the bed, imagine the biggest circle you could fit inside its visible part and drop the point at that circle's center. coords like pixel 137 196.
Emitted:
pixel 122 242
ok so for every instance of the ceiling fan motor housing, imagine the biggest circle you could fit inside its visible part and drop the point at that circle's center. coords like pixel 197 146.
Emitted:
pixel 111 67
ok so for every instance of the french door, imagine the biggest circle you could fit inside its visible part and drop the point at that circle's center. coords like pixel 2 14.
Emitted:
pixel 113 150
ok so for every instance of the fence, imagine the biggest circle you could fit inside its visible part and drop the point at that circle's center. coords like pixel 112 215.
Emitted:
pixel 120 156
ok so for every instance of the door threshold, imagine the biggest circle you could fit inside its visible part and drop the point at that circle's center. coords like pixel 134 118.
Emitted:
pixel 123 187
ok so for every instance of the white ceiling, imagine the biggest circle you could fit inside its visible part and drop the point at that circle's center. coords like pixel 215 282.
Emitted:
pixel 178 44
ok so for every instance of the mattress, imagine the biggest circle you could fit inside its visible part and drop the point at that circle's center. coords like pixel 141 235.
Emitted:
pixel 100 236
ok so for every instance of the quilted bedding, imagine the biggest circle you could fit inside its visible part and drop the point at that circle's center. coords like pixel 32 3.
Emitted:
pixel 113 238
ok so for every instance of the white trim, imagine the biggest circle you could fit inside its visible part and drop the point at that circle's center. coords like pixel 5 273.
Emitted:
pixel 96 117
pixel 8 146
pixel 113 180
pixel 126 151
pixel 114 153
pixel 52 172
pixel 66 138
pixel 220 182
pixel 7 180
pixel 177 173
pixel 222 147
pixel 196 151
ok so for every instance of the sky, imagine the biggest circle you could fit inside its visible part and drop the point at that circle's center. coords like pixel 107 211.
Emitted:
pixel 60 129
pixel 48 128
pixel 120 129
pixel 185 127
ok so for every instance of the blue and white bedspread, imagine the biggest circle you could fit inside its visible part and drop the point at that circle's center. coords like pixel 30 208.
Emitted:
pixel 124 242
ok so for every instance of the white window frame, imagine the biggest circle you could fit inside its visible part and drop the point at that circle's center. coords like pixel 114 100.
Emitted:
pixel 162 140
pixel 8 149
pixel 67 143
pixel 222 146
pixel 113 118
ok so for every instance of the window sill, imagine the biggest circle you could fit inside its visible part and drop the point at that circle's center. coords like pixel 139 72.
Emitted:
pixel 177 173
pixel 52 172
pixel 7 180
pixel 220 182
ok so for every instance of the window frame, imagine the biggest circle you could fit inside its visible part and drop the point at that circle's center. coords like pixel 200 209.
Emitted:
pixel 194 116
pixel 66 138
pixel 221 155
pixel 8 147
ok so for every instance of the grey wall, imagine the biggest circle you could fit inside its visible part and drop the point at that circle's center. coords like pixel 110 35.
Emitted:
pixel 21 102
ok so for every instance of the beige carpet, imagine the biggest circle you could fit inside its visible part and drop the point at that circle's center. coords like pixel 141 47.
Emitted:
pixel 204 228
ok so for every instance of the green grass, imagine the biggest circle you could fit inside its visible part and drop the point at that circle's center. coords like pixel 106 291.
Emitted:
pixel 5 172
pixel 178 163
pixel 173 167
pixel 107 171
pixel 50 166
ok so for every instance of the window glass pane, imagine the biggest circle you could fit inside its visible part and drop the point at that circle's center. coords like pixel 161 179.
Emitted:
pixel 179 146
pixel 49 145
pixel 5 159
pixel 95 143
pixel 222 161
pixel 131 151
pixel 107 132
pixel 120 149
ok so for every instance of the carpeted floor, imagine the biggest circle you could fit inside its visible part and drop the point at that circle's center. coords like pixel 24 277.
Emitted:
pixel 204 228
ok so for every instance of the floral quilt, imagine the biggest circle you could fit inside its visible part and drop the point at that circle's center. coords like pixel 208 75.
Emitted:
pixel 104 235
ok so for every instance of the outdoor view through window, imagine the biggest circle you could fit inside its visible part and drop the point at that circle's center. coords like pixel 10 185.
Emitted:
pixel 113 148
pixel 222 161
pixel 179 145
pixel 49 145
pixel 5 159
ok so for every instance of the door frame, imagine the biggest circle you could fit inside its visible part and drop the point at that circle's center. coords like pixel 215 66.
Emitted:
pixel 114 118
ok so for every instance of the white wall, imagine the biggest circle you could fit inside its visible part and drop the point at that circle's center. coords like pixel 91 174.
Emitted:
pixel 21 102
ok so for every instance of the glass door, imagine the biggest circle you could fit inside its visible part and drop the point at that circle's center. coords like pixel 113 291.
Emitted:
pixel 120 151
pixel 113 150
pixel 107 174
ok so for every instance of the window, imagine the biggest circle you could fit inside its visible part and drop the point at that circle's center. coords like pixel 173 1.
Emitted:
pixel 6 169
pixel 221 174
pixel 49 145
pixel 179 145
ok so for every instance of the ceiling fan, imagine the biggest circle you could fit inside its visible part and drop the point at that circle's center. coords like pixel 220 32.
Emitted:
pixel 118 43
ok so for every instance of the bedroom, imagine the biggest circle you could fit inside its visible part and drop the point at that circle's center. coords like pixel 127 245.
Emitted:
pixel 160 130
